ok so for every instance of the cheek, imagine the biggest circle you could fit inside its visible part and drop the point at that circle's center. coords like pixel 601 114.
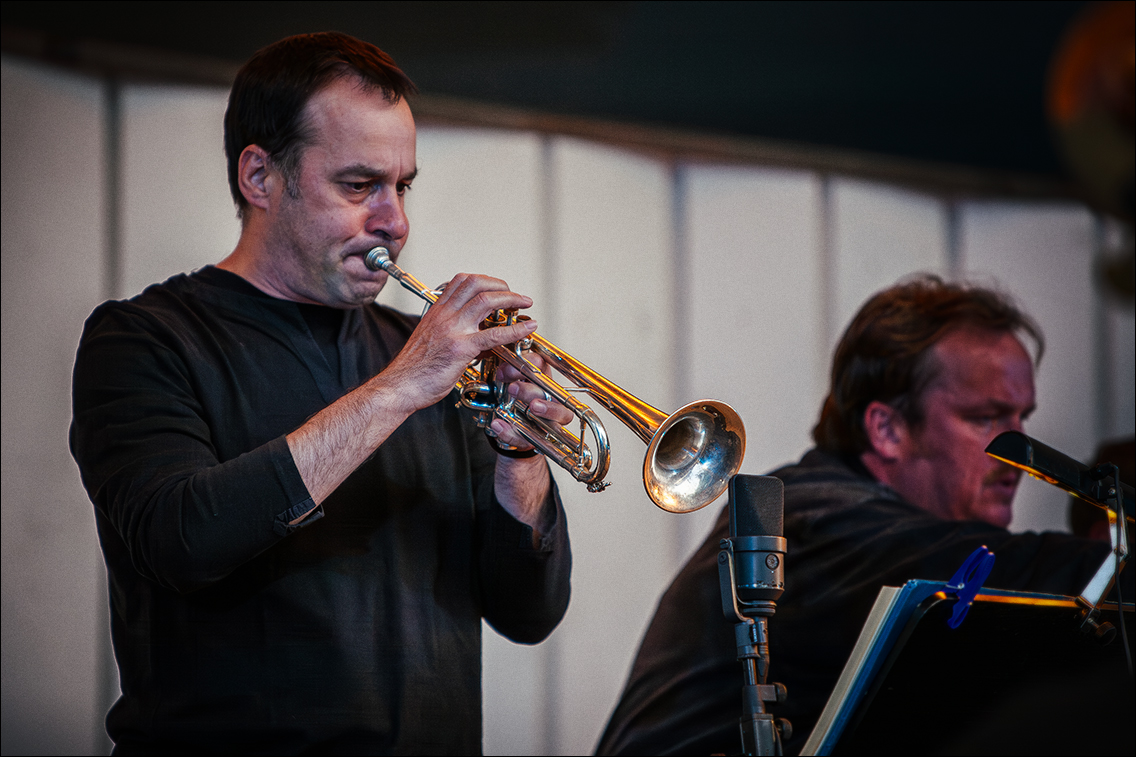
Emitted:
pixel 962 459
pixel 336 227
pixel 972 456
pixel 967 441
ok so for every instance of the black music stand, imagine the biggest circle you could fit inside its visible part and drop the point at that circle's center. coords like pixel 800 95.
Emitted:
pixel 1016 677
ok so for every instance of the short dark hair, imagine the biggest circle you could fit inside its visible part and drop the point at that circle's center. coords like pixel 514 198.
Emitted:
pixel 885 353
pixel 266 104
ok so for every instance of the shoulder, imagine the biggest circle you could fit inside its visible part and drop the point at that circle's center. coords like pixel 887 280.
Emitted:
pixel 189 319
pixel 158 304
pixel 191 306
pixel 153 332
pixel 822 481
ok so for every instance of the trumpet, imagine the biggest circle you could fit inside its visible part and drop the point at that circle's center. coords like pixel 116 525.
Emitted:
pixel 691 453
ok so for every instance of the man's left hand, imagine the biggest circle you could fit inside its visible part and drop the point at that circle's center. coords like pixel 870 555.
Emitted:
pixel 522 485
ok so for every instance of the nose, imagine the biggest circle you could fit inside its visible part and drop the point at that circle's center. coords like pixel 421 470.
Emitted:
pixel 387 218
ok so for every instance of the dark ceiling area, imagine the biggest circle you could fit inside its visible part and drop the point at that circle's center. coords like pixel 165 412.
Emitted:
pixel 950 82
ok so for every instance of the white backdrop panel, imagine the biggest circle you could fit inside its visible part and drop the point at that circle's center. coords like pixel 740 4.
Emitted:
pixel 475 207
pixel 52 231
pixel 754 298
pixel 177 214
pixel 1042 254
pixel 879 235
pixel 1120 362
pixel 612 268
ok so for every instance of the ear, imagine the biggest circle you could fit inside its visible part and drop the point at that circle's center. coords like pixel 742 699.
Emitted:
pixel 886 430
pixel 256 177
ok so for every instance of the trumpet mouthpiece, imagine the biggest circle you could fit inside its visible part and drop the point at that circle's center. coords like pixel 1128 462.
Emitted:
pixel 377 258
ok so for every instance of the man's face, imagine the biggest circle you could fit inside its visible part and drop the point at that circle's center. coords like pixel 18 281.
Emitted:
pixel 350 189
pixel 982 387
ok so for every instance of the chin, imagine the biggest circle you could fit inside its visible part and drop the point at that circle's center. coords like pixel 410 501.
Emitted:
pixel 363 295
pixel 998 515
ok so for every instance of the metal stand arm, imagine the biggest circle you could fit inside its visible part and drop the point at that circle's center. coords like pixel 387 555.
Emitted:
pixel 1096 591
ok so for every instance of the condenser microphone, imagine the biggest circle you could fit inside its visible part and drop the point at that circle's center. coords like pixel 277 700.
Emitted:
pixel 757 522
pixel 751 576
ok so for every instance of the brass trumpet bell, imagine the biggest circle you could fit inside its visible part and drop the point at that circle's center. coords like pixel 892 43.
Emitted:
pixel 692 456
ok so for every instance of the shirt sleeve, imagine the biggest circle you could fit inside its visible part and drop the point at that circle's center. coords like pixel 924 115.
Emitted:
pixel 524 589
pixel 148 462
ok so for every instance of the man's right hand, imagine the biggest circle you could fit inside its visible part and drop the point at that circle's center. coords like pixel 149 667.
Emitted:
pixel 450 337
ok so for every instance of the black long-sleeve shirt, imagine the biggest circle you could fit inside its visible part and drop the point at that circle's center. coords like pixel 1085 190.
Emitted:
pixel 356 629
pixel 847 535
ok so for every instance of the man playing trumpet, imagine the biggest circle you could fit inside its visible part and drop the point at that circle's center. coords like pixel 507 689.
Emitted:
pixel 302 533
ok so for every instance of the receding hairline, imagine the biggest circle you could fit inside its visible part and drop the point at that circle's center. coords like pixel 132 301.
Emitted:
pixel 933 371
pixel 307 130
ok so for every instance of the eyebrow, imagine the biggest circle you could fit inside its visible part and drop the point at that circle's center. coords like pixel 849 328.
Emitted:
pixel 364 171
pixel 996 406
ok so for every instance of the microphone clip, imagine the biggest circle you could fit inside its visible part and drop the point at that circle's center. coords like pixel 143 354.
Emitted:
pixel 760 563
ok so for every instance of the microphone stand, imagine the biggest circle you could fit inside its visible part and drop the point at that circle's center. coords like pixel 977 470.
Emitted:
pixel 761 733
pixel 1108 487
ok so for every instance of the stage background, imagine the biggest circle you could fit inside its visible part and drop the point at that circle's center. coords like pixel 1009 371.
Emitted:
pixel 675 275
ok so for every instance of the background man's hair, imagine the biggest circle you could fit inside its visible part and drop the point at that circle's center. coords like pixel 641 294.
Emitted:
pixel 266 104
pixel 885 354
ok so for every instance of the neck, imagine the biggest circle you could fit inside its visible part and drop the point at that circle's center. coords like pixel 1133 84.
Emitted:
pixel 252 259
pixel 908 478
pixel 877 466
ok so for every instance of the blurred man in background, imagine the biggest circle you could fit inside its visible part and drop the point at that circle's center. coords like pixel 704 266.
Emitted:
pixel 302 532
pixel 898 487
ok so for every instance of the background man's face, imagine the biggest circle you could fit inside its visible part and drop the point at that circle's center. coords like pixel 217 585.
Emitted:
pixel 983 386
pixel 351 186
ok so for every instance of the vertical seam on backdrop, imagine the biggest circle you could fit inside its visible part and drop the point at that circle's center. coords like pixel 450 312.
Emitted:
pixel 550 708
pixel 680 337
pixel 1102 340
pixel 550 268
pixel 954 238
pixel 112 177
pixel 680 308
pixel 827 254
pixel 111 288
